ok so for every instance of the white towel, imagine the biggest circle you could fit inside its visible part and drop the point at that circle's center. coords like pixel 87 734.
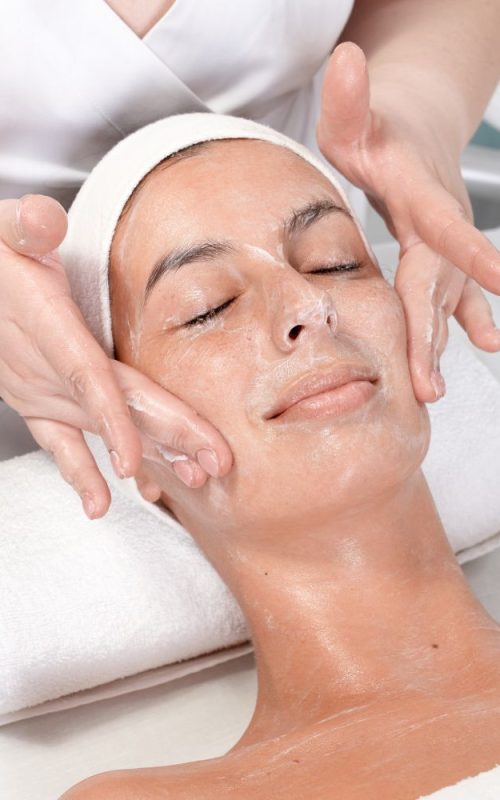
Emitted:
pixel 86 602
pixel 483 786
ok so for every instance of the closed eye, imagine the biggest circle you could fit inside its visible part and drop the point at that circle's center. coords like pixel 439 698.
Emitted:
pixel 349 266
pixel 201 319
pixel 212 312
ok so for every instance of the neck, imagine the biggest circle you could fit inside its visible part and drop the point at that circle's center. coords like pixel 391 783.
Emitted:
pixel 366 607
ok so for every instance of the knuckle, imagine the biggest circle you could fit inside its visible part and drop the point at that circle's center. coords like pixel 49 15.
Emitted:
pixel 474 262
pixel 63 450
pixel 71 476
pixel 77 380
pixel 447 231
pixel 106 420
pixel 178 440
pixel 81 478
pixel 11 398
pixel 82 379
pixel 86 478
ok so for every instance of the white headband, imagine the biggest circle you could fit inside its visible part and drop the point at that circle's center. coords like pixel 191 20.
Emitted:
pixel 96 208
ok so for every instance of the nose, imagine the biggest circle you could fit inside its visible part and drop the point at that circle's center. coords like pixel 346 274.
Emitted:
pixel 301 311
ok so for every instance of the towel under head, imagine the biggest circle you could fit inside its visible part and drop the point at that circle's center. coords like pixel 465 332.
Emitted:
pixel 95 211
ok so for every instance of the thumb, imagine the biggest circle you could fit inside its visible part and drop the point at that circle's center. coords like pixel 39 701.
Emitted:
pixel 345 99
pixel 32 225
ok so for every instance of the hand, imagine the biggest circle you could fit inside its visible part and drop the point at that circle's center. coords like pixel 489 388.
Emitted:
pixel 56 376
pixel 410 172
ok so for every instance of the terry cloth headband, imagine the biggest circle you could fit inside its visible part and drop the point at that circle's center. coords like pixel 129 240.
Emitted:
pixel 95 211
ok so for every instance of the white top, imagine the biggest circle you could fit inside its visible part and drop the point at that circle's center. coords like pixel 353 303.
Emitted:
pixel 75 78
pixel 484 786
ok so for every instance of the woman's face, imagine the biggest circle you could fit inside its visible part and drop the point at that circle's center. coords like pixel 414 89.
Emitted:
pixel 253 229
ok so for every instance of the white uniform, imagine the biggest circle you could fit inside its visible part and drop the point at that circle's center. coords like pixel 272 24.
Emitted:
pixel 74 78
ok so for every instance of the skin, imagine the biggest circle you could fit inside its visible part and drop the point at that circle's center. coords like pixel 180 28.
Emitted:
pixel 402 95
pixel 325 529
pixel 140 17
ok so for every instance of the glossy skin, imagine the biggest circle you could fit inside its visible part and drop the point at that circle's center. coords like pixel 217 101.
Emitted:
pixel 377 667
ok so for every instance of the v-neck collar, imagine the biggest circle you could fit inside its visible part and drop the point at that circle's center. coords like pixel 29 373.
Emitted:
pixel 173 11
pixel 128 83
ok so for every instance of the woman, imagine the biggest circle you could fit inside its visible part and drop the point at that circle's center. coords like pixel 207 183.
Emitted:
pixel 240 281
pixel 432 70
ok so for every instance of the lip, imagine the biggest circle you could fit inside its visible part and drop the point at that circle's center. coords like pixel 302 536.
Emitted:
pixel 317 383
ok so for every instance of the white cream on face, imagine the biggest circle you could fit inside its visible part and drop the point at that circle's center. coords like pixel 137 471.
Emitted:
pixel 230 369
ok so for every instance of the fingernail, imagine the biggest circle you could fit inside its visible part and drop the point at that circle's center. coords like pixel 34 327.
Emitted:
pixel 185 471
pixel 19 226
pixel 209 461
pixel 115 460
pixel 88 505
pixel 438 384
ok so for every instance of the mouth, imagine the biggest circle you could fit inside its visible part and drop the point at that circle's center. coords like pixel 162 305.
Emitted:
pixel 333 393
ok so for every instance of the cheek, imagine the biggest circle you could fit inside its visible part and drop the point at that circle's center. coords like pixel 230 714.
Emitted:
pixel 403 430
pixel 208 373
pixel 373 312
pixel 373 316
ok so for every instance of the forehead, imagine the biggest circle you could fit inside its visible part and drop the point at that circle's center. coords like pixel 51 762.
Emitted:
pixel 237 189
pixel 245 168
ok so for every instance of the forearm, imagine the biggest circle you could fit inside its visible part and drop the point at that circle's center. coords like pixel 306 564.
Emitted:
pixel 440 58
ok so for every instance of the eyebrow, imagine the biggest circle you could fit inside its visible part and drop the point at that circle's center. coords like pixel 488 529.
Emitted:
pixel 299 220
pixel 171 262
pixel 311 212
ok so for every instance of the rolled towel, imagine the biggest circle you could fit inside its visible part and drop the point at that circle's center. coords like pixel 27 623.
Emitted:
pixel 86 602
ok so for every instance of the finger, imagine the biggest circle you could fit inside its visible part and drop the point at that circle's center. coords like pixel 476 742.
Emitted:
pixel 429 288
pixel 34 224
pixel 189 472
pixel 65 409
pixel 148 488
pixel 86 375
pixel 74 461
pixel 475 315
pixel 345 98
pixel 441 222
pixel 170 421
pixel 177 463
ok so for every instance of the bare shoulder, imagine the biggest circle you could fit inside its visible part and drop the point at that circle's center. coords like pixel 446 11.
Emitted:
pixel 176 782
pixel 429 742
pixel 128 784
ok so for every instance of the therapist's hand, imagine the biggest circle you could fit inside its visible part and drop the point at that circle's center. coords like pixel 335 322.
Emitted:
pixel 57 377
pixel 390 148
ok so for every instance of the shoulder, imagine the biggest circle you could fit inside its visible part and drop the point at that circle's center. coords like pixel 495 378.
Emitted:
pixel 176 782
pixel 128 784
